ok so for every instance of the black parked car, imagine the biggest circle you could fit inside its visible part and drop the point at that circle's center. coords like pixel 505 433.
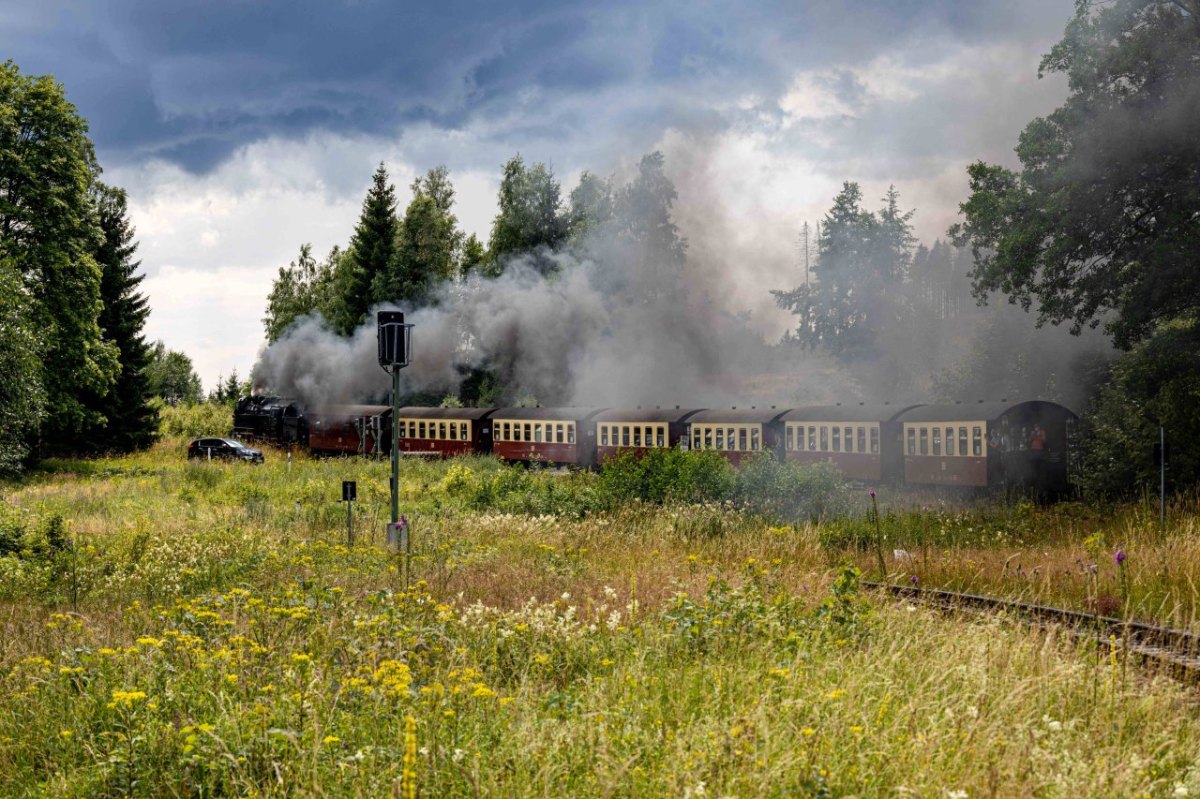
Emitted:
pixel 227 448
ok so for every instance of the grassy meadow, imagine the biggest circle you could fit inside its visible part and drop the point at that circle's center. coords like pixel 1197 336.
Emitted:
pixel 203 630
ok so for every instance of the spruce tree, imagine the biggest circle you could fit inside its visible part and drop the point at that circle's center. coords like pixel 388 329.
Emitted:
pixel 131 422
pixel 373 247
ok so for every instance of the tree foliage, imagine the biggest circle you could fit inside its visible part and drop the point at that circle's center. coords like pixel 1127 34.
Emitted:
pixel 1156 384
pixel 429 244
pixel 49 230
pixel 373 249
pixel 130 421
pixel 303 287
pixel 172 377
pixel 1102 222
pixel 22 401
pixel 531 220
pixel 862 262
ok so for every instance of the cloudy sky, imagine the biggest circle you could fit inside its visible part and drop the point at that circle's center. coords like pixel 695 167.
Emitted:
pixel 243 129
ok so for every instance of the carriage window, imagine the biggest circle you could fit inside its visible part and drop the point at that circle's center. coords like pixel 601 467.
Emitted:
pixel 708 435
pixel 812 439
pixel 662 438
pixel 528 432
pixel 912 441
pixel 937 441
pixel 824 438
pixel 874 440
pixel 649 436
pixel 537 433
pixel 720 438
pixel 465 431
pixel 637 436
pixel 604 435
pixel 625 435
pixel 977 441
pixel 754 437
pixel 561 434
pixel 400 429
pixel 420 429
pixel 695 438
pixel 950 441
pixel 570 432
pixel 837 439
pixel 862 440
pixel 848 437
pixel 442 430
pixel 924 436
pixel 791 438
pixel 452 432
pixel 962 441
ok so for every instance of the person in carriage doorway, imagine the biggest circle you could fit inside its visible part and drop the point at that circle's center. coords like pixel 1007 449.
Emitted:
pixel 1037 453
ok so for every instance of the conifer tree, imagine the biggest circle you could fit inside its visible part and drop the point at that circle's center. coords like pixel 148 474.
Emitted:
pixel 130 421
pixel 373 247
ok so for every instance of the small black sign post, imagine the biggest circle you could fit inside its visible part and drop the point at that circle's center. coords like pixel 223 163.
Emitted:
pixel 349 495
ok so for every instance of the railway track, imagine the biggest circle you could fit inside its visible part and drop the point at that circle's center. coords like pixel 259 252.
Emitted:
pixel 1171 650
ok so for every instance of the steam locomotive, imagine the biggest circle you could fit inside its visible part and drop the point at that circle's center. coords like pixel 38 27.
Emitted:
pixel 978 445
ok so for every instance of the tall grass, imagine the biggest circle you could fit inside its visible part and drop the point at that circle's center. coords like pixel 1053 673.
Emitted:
pixel 174 629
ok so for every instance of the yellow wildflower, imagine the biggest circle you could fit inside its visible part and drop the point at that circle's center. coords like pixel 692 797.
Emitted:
pixel 125 698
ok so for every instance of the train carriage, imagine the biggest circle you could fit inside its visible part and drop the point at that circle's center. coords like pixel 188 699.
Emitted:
pixel 350 429
pixel 999 444
pixel 862 441
pixel 444 432
pixel 640 430
pixel 564 436
pixel 737 434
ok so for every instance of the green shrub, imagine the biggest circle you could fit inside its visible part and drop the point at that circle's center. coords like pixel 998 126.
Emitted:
pixel 192 421
pixel 791 491
pixel 664 475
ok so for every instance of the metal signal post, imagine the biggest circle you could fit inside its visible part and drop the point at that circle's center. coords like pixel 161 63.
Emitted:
pixel 395 352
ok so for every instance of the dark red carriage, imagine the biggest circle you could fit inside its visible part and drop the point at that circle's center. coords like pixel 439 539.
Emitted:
pixel 640 430
pixel 445 432
pixel 561 436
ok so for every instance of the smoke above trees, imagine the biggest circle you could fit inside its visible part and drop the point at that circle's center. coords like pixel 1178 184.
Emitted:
pixel 596 300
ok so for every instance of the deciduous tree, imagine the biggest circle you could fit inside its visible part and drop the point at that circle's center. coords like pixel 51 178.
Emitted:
pixel 172 377
pixel 50 232
pixel 531 220
pixel 1102 221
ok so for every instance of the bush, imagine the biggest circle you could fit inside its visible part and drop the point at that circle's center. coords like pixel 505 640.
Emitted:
pixel 192 421
pixel 781 491
pixel 665 475
pixel 1157 383
pixel 791 491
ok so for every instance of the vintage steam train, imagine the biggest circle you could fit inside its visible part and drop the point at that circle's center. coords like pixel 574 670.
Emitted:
pixel 1003 444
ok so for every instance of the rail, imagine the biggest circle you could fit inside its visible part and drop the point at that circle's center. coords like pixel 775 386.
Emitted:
pixel 1175 651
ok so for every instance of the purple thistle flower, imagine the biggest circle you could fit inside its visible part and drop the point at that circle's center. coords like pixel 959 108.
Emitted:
pixel 1120 557
pixel 872 493
pixel 914 579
